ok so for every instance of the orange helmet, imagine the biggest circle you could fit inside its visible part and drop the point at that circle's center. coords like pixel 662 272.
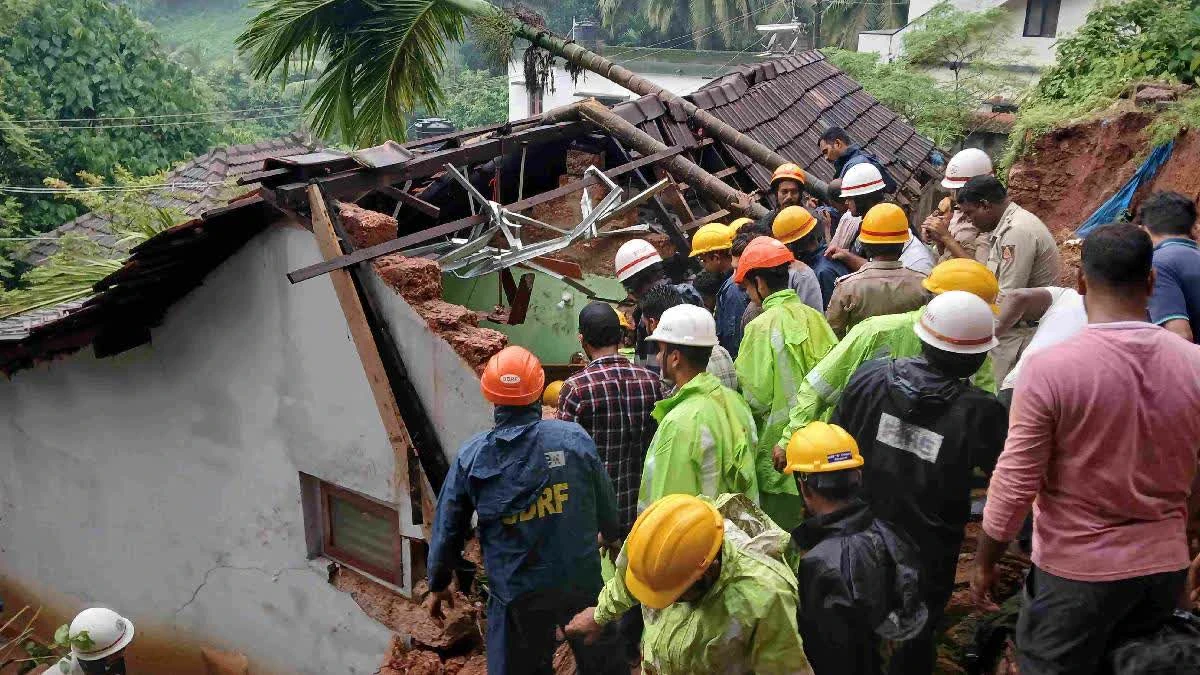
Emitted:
pixel 762 253
pixel 788 172
pixel 513 376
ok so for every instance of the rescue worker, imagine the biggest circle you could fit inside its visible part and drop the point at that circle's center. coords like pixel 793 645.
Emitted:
pixel 779 349
pixel 102 651
pixel 639 268
pixel 796 227
pixel 923 430
pixel 884 285
pixel 1016 247
pixel 706 436
pixel 659 300
pixel 866 194
pixel 787 185
pixel 716 585
pixel 859 578
pixel 612 399
pixel 740 242
pixel 953 233
pixel 542 496
pixel 889 335
pixel 837 149
pixel 801 277
pixel 708 285
pixel 711 245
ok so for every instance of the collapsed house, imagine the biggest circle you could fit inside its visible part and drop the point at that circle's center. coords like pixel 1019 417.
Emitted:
pixel 247 454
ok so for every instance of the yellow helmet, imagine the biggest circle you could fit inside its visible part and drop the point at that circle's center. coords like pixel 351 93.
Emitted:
pixel 670 547
pixel 964 274
pixel 625 322
pixel 711 237
pixel 792 223
pixel 821 448
pixel 737 224
pixel 884 224
pixel 550 396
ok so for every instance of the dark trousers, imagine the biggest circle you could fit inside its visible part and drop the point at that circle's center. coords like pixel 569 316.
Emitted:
pixel 532 621
pixel 917 655
pixel 1067 627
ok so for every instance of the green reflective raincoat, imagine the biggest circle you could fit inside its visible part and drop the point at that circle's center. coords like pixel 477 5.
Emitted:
pixel 889 335
pixel 778 350
pixel 746 623
pixel 704 444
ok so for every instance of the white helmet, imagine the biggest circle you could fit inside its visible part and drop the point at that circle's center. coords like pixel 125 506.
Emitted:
pixel 965 165
pixel 959 322
pixel 634 256
pixel 686 325
pixel 110 633
pixel 861 179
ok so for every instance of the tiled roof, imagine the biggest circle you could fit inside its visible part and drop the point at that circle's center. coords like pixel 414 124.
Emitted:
pixel 221 165
pixel 787 104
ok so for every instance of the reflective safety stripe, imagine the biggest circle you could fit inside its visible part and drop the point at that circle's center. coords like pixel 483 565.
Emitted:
pixel 783 364
pixel 708 463
pixel 647 480
pixel 825 390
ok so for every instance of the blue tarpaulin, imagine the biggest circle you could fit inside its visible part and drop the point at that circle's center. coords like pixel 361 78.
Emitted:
pixel 1111 209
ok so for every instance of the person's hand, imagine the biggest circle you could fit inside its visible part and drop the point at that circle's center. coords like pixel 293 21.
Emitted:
pixel 837 253
pixel 1193 581
pixel 434 604
pixel 611 548
pixel 779 458
pixel 936 228
pixel 981 587
pixel 584 626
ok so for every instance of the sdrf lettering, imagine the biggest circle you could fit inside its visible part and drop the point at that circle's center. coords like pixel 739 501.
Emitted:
pixel 550 502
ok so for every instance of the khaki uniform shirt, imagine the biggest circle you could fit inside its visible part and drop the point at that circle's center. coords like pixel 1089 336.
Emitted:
pixel 965 233
pixel 878 288
pixel 1020 251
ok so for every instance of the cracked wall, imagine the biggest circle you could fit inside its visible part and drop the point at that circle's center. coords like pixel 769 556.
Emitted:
pixel 164 481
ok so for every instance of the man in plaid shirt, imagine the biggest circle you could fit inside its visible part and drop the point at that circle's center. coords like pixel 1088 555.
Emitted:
pixel 612 400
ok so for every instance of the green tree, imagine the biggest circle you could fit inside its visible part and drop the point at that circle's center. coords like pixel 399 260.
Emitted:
pixel 842 20
pixel 695 17
pixel 83 60
pixel 474 98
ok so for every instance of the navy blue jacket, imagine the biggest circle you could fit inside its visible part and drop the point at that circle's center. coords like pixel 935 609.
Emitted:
pixel 856 155
pixel 731 305
pixel 542 495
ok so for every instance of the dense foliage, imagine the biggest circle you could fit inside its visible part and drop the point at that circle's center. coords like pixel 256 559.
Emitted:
pixel 942 109
pixel 1118 44
pixel 81 60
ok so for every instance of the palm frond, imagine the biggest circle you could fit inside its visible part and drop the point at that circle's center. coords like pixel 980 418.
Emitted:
pixel 385 58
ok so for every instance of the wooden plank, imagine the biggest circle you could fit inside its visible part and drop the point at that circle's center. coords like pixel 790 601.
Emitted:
pixel 364 343
pixel 413 201
pixel 710 218
pixel 406 241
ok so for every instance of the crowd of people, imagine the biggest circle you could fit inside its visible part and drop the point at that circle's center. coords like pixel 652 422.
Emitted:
pixel 779 477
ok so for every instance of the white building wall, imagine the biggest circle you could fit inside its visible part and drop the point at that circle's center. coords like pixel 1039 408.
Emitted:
pixel 589 84
pixel 163 482
pixel 1036 52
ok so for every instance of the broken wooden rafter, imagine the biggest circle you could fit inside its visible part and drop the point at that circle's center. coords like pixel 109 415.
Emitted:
pixel 413 201
pixel 445 229
pixel 351 185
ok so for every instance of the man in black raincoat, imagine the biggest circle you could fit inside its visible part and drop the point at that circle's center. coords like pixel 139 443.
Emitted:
pixel 858 577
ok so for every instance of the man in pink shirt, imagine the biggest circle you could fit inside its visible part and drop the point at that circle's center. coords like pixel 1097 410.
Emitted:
pixel 1104 434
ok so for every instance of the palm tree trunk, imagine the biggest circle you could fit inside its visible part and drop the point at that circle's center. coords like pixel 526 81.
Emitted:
pixel 595 63
pixel 683 168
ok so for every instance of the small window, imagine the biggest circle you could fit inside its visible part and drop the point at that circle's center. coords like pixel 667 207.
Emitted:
pixel 361 533
pixel 1041 18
